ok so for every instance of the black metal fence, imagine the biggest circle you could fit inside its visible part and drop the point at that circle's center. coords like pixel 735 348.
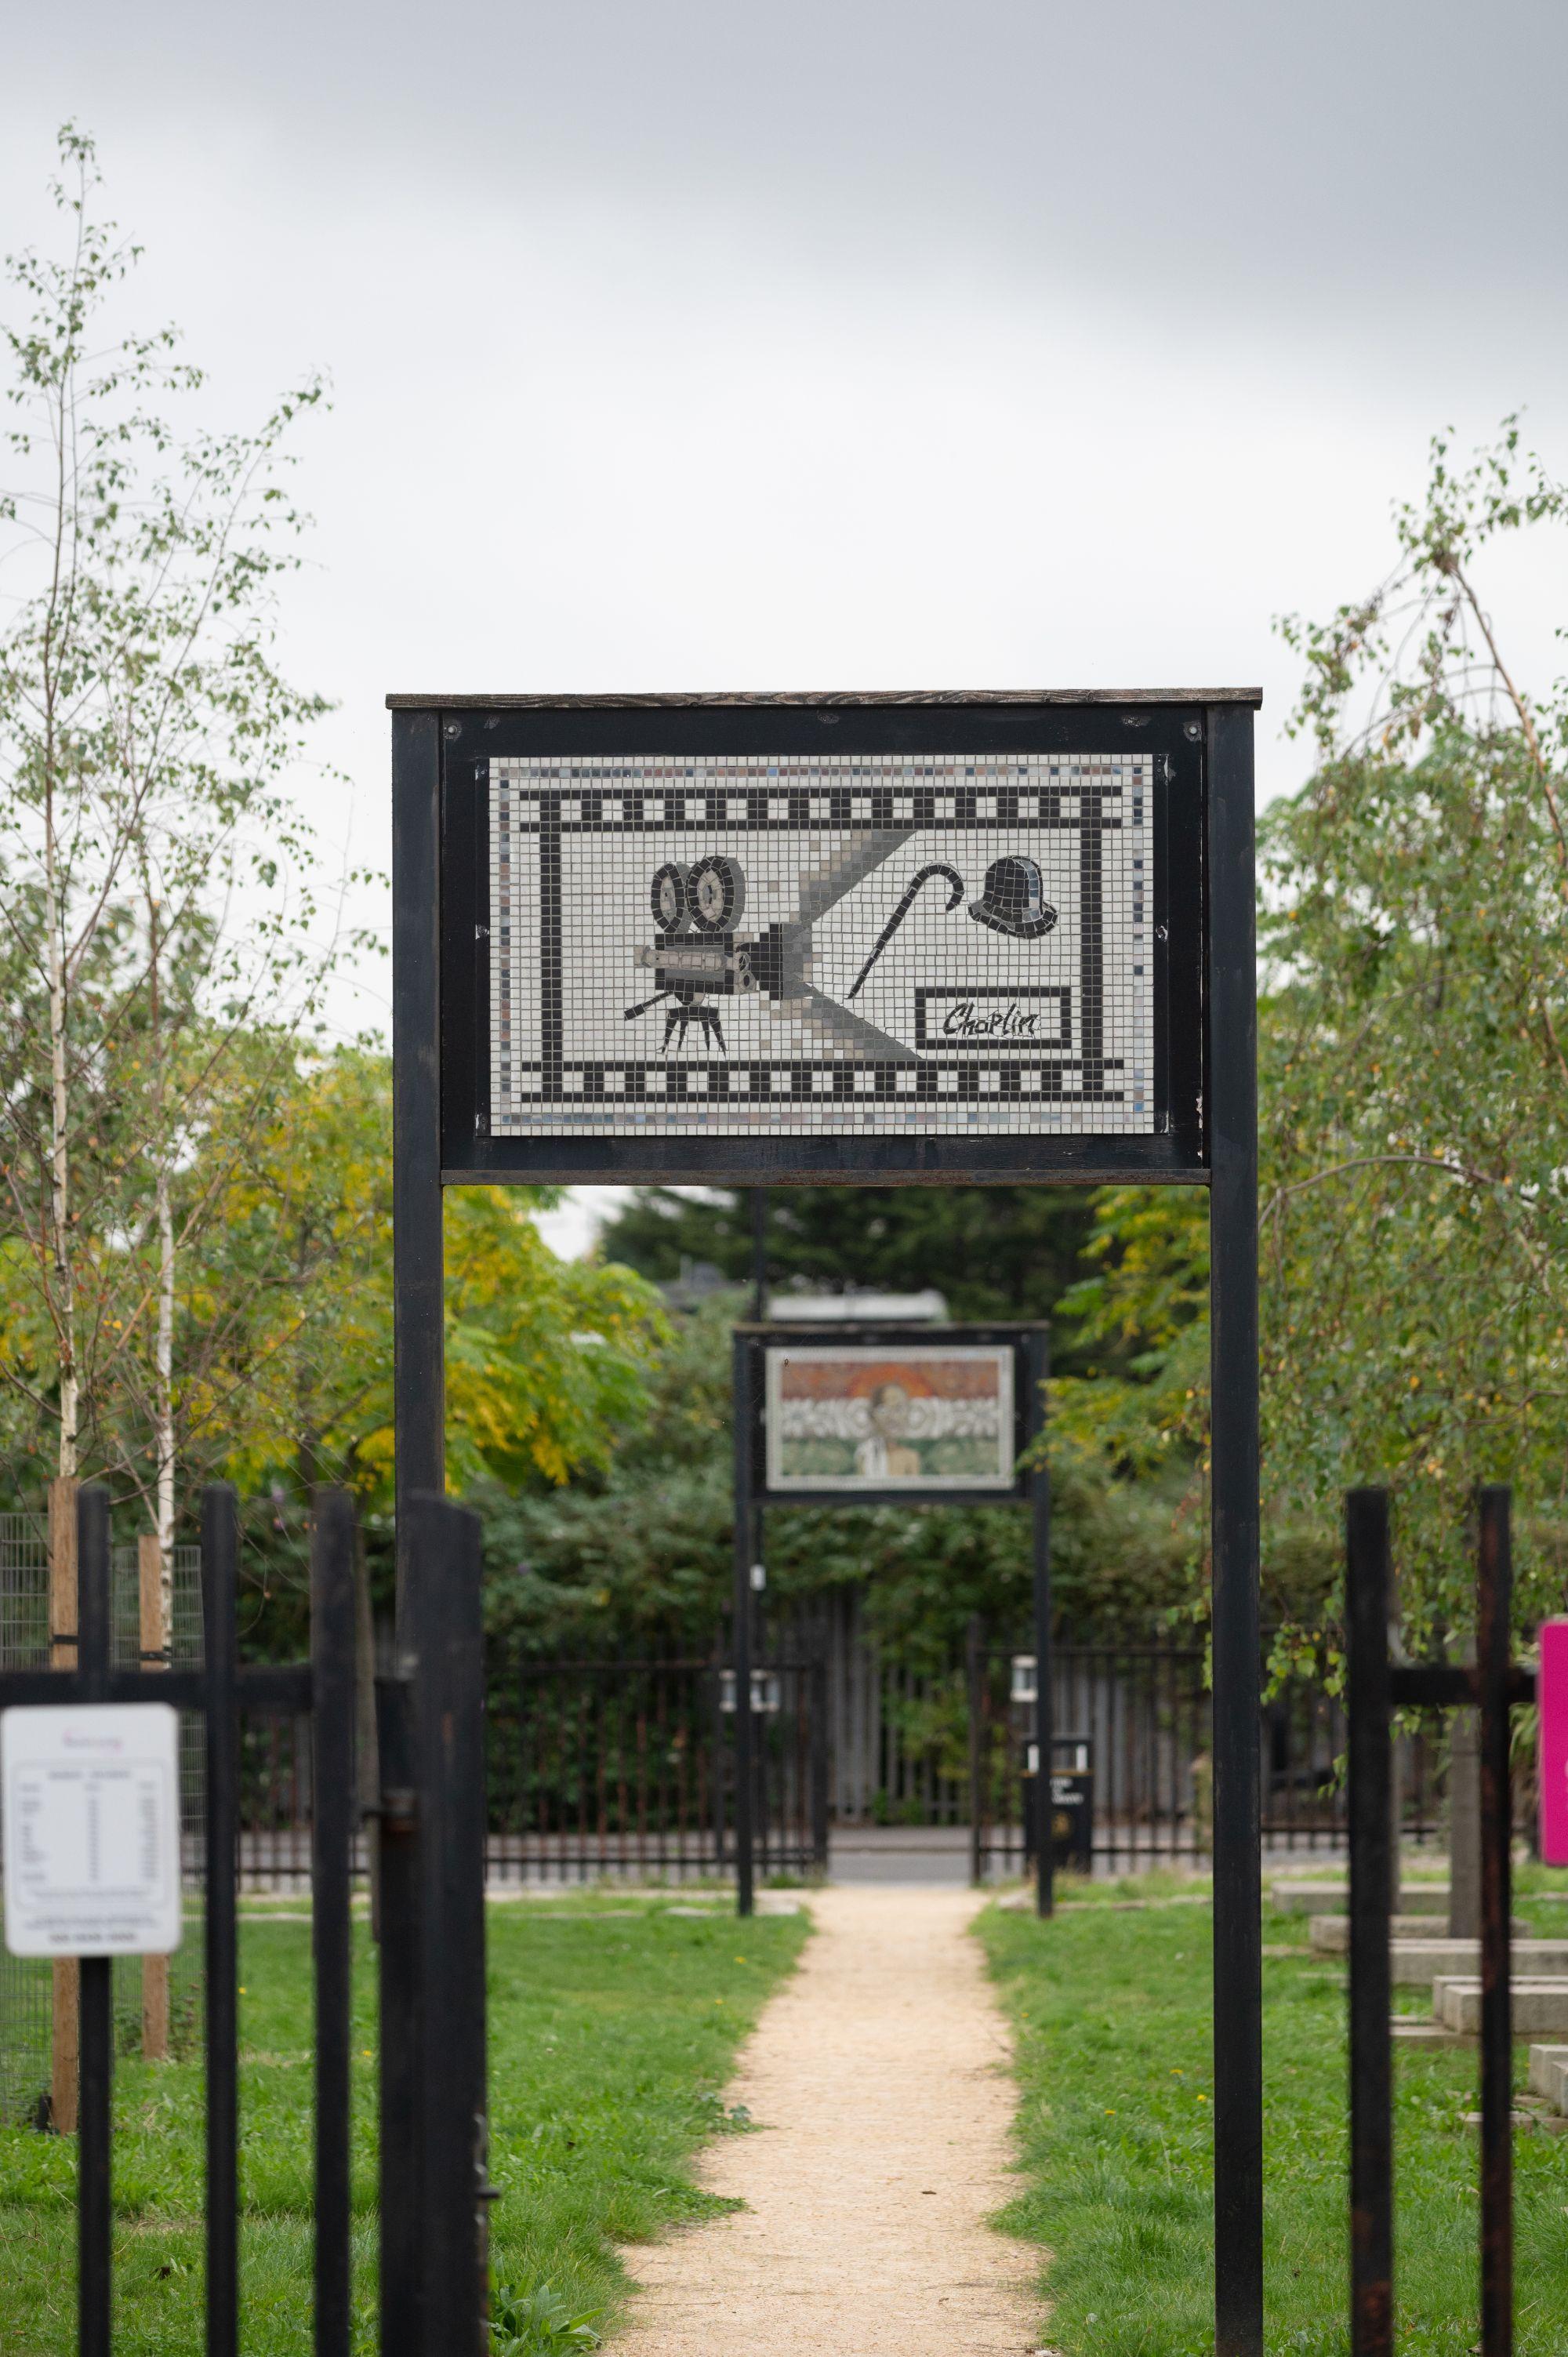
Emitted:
pixel 213 1695
pixel 1138 1716
pixel 615 1765
pixel 1379 1689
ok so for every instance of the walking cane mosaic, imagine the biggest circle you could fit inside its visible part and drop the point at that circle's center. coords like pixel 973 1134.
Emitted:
pixel 822 945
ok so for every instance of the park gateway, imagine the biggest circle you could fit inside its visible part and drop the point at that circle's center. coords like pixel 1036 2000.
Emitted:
pixel 835 938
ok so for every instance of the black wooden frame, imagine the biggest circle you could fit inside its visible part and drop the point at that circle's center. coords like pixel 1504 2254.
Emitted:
pixel 1031 1364
pixel 879 1336
pixel 473 733
pixel 1207 1007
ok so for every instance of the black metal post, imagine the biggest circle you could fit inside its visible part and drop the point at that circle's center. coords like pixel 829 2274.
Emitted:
pixel 1494 1607
pixel 1037 1367
pixel 333 1690
pixel 1232 1120
pixel 974 1676
pixel 419 1416
pixel 402 2015
pixel 818 1691
pixel 758 1255
pixel 96 2051
pixel 721 1748
pixel 446 1623
pixel 740 1645
pixel 1368 1589
pixel 220 1572
pixel 418 1300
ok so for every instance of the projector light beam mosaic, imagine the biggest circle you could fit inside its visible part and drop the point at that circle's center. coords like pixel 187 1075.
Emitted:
pixel 822 945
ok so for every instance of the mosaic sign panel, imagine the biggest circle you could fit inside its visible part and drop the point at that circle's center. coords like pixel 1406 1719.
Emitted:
pixel 895 1419
pixel 822 945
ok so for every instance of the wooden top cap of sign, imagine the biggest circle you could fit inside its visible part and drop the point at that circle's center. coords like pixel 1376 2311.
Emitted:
pixel 962 695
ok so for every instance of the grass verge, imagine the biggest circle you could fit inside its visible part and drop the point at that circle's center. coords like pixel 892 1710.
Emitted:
pixel 1111 2011
pixel 612 2033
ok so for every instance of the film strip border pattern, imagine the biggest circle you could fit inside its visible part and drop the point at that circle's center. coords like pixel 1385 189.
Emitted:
pixel 1086 796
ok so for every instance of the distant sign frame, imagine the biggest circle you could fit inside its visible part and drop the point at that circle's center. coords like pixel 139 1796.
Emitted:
pixel 885 1344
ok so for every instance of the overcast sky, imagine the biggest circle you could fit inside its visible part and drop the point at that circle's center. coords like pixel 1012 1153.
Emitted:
pixel 700 343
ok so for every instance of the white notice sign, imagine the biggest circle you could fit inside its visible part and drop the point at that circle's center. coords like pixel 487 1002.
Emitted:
pixel 91 1829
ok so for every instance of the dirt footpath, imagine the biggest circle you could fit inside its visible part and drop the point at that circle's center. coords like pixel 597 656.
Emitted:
pixel 878 2079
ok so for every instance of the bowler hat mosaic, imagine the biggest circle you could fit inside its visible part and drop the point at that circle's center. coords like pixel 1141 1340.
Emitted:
pixel 1013 900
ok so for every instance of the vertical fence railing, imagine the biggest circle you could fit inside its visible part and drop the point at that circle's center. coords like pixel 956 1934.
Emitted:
pixel 1134 1717
pixel 218 1691
pixel 623 1766
pixel 1378 1688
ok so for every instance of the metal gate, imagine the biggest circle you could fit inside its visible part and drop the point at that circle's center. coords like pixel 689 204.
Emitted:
pixel 428 1873
pixel 221 1691
pixel 1378 1687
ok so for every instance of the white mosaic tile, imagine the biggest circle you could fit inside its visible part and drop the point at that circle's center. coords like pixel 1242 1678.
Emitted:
pixel 824 945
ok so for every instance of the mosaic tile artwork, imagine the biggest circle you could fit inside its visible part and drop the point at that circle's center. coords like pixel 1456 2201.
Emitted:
pixel 886 1416
pixel 822 945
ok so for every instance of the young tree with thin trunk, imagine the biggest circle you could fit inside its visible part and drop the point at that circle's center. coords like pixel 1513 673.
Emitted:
pixel 154 872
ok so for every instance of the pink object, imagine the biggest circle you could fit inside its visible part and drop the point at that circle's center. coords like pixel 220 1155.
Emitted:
pixel 1552 1695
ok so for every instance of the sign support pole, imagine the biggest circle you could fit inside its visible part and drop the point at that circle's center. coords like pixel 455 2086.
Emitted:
pixel 430 2116
pixel 1184 909
pixel 1233 1305
pixel 740 1644
pixel 1036 1361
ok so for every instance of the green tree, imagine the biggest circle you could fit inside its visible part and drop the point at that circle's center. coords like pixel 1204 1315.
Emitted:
pixel 1415 926
pixel 1414 1151
pixel 146 739
pixel 994 1251
pixel 642 1546
pixel 291 1302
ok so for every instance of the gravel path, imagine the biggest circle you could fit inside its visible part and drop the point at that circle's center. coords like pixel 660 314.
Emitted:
pixel 878 2078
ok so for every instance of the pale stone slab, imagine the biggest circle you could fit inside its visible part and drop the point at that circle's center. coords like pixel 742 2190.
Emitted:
pixel 1333 1897
pixel 1540 2007
pixel 1330 1936
pixel 1549 2073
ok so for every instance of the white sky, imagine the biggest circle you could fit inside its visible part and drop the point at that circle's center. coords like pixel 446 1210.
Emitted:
pixel 694 343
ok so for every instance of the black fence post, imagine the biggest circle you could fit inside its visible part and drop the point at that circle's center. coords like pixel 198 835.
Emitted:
pixel 974 1668
pixel 1367 1599
pixel 334 1674
pixel 720 1742
pixel 401 2018
pixel 220 1571
pixel 95 2063
pixel 1036 1365
pixel 745 1792
pixel 447 1623
pixel 1232 1124
pixel 820 1754
pixel 1494 1605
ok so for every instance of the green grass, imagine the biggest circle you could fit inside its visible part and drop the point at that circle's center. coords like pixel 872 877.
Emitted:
pixel 611 2036
pixel 1112 2014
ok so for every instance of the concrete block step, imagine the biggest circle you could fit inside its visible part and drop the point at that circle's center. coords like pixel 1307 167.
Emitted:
pixel 1330 1935
pixel 1540 2007
pixel 1334 1899
pixel 1549 2073
pixel 1413 1962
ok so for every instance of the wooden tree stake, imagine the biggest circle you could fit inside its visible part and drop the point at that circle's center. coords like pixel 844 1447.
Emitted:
pixel 66 2011
pixel 156 1638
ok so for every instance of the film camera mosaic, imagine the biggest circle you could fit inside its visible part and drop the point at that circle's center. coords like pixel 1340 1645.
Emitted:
pixel 822 945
